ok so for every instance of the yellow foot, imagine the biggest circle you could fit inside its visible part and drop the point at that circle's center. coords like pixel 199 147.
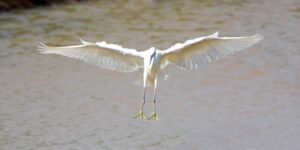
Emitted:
pixel 153 116
pixel 140 114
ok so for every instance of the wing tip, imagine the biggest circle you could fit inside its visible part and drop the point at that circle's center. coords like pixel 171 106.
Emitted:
pixel 41 47
pixel 85 42
pixel 257 37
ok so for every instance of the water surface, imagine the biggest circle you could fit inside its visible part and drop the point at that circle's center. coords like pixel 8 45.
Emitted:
pixel 247 101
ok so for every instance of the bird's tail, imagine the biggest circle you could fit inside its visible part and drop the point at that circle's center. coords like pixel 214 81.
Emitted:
pixel 139 80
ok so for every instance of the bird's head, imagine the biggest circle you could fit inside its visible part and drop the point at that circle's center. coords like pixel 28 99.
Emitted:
pixel 152 52
pixel 152 49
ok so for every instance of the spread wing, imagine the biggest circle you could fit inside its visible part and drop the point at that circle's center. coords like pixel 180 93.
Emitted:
pixel 101 54
pixel 192 53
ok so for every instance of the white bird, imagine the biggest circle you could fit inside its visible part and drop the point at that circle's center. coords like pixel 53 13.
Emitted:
pixel 188 55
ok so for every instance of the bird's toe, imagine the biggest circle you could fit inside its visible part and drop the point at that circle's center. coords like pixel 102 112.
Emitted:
pixel 153 116
pixel 140 114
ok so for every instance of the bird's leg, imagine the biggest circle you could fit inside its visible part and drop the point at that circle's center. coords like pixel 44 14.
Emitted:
pixel 140 114
pixel 154 115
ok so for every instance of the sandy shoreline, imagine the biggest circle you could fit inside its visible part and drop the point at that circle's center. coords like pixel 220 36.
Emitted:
pixel 8 5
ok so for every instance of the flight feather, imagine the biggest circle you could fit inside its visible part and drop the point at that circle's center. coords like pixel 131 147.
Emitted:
pixel 101 54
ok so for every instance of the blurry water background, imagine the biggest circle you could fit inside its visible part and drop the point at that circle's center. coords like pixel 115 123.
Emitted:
pixel 248 101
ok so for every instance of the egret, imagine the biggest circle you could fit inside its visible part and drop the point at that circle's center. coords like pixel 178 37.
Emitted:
pixel 188 55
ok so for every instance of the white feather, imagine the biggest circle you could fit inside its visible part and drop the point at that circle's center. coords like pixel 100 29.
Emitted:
pixel 109 56
pixel 206 49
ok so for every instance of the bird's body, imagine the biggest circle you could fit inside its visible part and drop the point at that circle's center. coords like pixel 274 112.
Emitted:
pixel 152 65
pixel 188 55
